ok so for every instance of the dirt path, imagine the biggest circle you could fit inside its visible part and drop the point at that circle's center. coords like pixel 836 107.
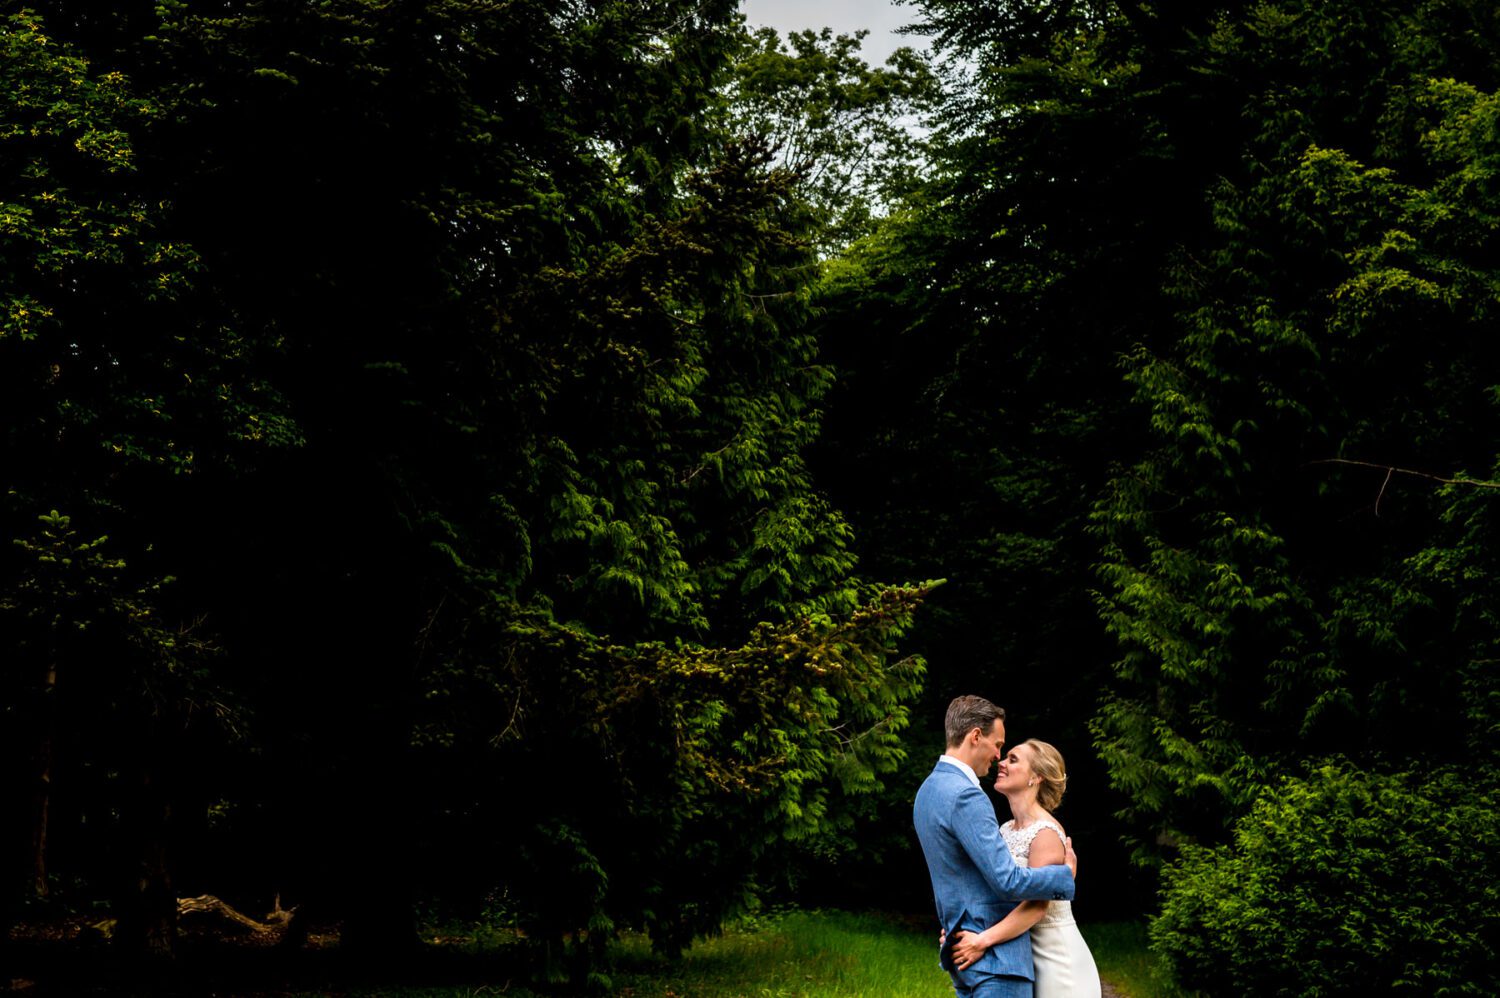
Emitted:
pixel 1108 990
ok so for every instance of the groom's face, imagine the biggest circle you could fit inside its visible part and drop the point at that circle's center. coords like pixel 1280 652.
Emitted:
pixel 989 747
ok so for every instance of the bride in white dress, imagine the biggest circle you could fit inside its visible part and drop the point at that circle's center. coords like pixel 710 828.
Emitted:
pixel 1032 778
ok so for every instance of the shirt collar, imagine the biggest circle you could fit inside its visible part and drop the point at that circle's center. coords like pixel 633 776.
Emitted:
pixel 963 767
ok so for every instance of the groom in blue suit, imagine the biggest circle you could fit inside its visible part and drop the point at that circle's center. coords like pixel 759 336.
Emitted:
pixel 974 879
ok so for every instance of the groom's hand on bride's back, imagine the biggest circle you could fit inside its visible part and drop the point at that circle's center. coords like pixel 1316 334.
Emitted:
pixel 1070 857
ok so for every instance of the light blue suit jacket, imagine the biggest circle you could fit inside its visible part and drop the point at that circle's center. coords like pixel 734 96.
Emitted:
pixel 974 879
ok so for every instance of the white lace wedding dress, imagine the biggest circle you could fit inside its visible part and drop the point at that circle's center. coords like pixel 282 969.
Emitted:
pixel 1064 966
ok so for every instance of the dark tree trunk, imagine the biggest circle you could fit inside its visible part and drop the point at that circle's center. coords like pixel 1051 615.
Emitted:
pixel 147 928
pixel 379 919
pixel 380 924
pixel 41 809
pixel 42 805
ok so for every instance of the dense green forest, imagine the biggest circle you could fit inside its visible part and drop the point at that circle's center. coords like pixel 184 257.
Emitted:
pixel 552 462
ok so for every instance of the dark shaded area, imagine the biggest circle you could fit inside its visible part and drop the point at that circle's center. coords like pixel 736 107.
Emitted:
pixel 208 966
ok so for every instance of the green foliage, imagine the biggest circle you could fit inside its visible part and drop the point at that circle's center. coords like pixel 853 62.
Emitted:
pixel 712 759
pixel 74 617
pixel 842 127
pixel 68 585
pixel 669 491
pixel 1193 311
pixel 93 685
pixel 1268 592
pixel 1343 882
pixel 482 373
pixel 456 358
pixel 978 405
pixel 120 372
pixel 88 648
pixel 160 379
pixel 1124 957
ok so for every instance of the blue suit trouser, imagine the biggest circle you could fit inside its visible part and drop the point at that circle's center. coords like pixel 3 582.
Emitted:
pixel 994 987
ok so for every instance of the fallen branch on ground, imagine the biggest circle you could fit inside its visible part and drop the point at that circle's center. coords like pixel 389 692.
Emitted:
pixel 275 921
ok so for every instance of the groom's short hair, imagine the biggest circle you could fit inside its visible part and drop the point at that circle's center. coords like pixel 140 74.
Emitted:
pixel 967 713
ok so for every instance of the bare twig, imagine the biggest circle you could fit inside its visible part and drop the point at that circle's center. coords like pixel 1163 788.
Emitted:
pixel 1389 472
pixel 714 453
pixel 1393 470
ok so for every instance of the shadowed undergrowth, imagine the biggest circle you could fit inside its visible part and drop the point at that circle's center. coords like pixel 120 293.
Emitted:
pixel 814 954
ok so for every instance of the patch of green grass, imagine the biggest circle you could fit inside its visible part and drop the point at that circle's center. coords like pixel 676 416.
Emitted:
pixel 815 954
pixel 826 954
pixel 1121 953
pixel 819 954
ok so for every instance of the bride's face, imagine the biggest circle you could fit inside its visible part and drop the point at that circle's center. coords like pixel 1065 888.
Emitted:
pixel 1015 771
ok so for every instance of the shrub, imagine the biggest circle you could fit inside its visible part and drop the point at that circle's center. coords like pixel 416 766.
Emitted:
pixel 1343 882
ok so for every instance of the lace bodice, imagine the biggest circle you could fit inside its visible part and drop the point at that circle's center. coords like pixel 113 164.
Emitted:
pixel 1018 841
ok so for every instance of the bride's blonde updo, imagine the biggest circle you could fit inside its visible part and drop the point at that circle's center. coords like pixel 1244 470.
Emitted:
pixel 1047 763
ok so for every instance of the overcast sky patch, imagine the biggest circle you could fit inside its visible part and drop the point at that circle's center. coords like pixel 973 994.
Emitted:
pixel 880 17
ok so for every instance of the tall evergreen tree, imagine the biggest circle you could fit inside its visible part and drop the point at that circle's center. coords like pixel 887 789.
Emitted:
pixel 473 354
pixel 976 333
pixel 1266 558
pixel 1179 269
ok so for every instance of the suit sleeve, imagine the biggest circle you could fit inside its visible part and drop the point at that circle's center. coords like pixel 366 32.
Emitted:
pixel 974 824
